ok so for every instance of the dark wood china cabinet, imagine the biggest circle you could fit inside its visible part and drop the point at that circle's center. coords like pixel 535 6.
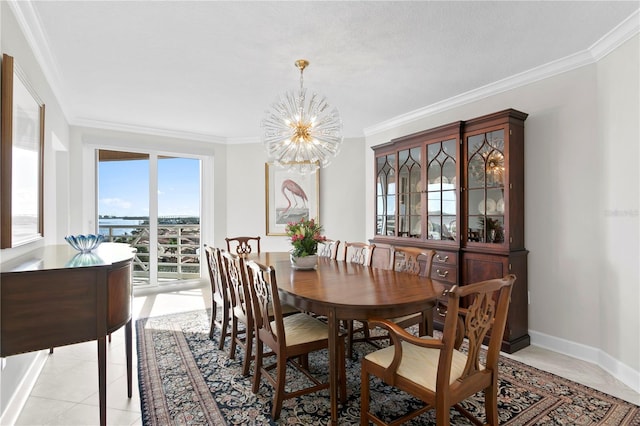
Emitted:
pixel 459 189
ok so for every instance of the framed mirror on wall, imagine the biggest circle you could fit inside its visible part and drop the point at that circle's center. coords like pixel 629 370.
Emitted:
pixel 21 159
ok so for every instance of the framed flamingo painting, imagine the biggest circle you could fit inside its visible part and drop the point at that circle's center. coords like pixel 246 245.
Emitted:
pixel 289 197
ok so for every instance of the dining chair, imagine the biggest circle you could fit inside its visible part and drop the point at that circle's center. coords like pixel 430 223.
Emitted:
pixel 220 297
pixel 235 272
pixel 382 257
pixel 416 261
pixel 243 245
pixel 329 248
pixel 437 371
pixel 360 253
pixel 290 338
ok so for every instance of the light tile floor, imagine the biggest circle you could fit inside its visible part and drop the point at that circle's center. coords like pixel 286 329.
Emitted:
pixel 66 390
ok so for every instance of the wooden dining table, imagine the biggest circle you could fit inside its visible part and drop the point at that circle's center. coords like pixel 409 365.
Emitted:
pixel 346 291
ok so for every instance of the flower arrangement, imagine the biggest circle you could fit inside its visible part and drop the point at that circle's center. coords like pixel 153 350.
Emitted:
pixel 305 236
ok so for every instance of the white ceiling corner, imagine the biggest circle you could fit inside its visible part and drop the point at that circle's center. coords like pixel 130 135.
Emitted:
pixel 207 70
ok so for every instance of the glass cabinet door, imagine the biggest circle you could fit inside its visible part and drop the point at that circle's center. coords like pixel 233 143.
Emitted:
pixel 386 195
pixel 486 188
pixel 409 193
pixel 441 188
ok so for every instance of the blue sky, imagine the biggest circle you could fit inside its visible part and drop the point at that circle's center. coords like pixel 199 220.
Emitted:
pixel 123 187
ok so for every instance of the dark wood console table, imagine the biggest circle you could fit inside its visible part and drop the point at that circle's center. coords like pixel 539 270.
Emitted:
pixel 56 296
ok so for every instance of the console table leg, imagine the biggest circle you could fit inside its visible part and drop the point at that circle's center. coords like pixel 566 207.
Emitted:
pixel 129 344
pixel 102 378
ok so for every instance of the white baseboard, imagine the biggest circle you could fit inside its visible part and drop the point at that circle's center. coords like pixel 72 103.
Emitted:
pixel 617 369
pixel 16 403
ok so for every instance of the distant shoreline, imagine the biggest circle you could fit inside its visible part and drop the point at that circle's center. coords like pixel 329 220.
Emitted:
pixel 163 220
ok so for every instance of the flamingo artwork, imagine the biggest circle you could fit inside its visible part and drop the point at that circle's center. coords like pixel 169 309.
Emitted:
pixel 291 189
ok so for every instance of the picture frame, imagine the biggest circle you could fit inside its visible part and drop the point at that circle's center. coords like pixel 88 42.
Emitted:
pixel 290 196
pixel 21 158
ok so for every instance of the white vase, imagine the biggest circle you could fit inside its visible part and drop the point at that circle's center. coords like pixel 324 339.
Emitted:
pixel 305 262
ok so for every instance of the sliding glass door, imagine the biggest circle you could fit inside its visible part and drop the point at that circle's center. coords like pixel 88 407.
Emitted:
pixel 153 203
pixel 178 220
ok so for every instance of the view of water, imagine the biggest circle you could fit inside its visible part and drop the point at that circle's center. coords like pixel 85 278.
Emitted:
pixel 103 225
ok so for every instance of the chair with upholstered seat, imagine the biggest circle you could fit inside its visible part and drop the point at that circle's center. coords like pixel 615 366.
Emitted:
pixel 243 245
pixel 416 261
pixel 290 338
pixel 233 266
pixel 328 248
pixel 220 298
pixel 235 272
pixel 436 371
pixel 360 253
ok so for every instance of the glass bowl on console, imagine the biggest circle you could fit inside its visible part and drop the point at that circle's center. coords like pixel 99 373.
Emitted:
pixel 84 243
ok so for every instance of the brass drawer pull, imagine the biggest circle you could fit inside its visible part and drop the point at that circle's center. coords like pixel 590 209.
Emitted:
pixel 442 274
pixel 442 259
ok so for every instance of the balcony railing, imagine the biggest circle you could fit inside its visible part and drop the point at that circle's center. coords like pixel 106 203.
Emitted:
pixel 178 250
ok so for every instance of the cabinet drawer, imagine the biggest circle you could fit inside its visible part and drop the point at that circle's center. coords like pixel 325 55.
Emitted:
pixel 445 258
pixel 444 273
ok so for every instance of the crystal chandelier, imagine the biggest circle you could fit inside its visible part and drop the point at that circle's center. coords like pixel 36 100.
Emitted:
pixel 302 134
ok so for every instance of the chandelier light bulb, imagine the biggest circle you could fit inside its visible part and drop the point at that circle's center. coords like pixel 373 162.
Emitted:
pixel 302 133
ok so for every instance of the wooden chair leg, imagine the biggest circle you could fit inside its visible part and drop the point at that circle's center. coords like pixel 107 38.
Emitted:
pixel 278 395
pixel 422 328
pixel 491 404
pixel 349 326
pixel 442 413
pixel 234 336
pixel 248 347
pixel 258 367
pixel 213 320
pixel 225 326
pixel 304 361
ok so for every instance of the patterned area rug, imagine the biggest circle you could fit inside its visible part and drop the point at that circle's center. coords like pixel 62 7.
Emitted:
pixel 185 380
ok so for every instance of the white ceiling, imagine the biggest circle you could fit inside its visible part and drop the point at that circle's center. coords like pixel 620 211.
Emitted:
pixel 210 69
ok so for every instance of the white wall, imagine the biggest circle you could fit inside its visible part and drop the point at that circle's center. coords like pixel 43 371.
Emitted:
pixel 619 143
pixel 341 195
pixel 21 370
pixel 581 214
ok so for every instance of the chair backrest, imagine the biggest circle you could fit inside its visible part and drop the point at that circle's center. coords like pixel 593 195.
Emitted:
pixel 413 260
pixel 218 282
pixel 234 270
pixel 382 257
pixel 328 248
pixel 263 290
pixel 358 253
pixel 243 244
pixel 488 305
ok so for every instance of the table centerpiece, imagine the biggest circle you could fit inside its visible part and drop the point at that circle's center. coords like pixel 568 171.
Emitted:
pixel 305 236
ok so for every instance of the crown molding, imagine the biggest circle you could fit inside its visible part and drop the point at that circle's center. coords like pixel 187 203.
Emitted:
pixel 609 42
pixel 152 131
pixel 31 26
pixel 32 29
pixel 245 140
pixel 618 35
